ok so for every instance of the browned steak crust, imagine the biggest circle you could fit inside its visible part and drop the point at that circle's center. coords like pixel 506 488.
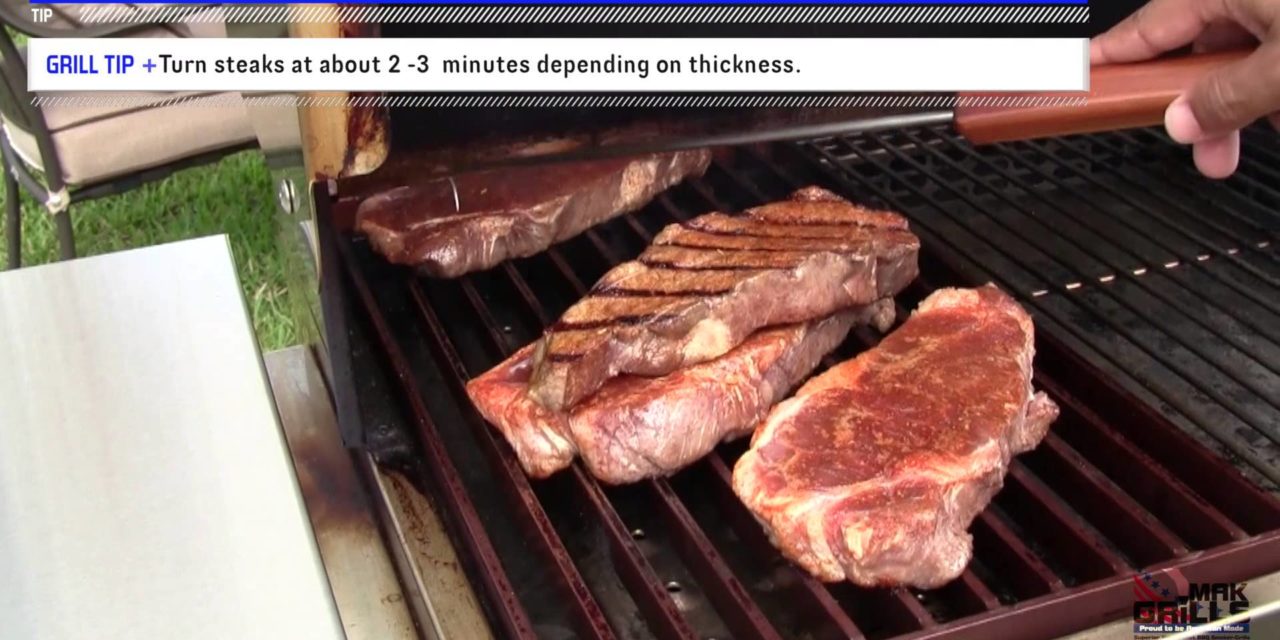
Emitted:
pixel 873 471
pixel 707 284
pixel 638 427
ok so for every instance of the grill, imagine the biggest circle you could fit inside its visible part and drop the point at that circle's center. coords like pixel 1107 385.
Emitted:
pixel 1154 295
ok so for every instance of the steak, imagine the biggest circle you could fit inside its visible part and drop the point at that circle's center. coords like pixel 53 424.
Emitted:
pixel 874 470
pixel 637 427
pixel 475 221
pixel 703 286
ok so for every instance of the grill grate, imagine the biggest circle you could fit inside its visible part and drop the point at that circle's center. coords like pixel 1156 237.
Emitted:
pixel 1080 230
pixel 1172 283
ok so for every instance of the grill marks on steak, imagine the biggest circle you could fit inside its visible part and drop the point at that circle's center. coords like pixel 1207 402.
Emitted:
pixel 638 427
pixel 707 284
pixel 513 212
pixel 874 470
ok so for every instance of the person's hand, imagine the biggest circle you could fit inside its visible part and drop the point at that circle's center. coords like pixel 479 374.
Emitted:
pixel 1211 113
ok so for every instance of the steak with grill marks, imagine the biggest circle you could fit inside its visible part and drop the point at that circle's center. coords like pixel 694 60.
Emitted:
pixel 637 427
pixel 451 227
pixel 874 470
pixel 705 285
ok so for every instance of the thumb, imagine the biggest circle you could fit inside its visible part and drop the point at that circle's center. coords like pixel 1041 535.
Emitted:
pixel 1233 96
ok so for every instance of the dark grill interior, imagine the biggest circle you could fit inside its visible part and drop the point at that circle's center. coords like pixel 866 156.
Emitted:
pixel 1154 294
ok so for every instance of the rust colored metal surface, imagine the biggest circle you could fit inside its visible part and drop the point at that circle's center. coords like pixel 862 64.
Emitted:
pixel 470 532
pixel 365 586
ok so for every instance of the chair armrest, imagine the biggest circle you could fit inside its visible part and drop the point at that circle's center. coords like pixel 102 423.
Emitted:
pixel 18 109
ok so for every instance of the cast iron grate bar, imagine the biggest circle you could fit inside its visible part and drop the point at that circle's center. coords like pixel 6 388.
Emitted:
pixel 1001 547
pixel 972 593
pixel 998 251
pixel 1101 501
pixel 1156 490
pixel 1260 141
pixel 812 595
pixel 1243 199
pixel 1242 177
pixel 1043 514
pixel 1208 231
pixel 1227 365
pixel 820 601
pixel 1233 325
pixel 1248 267
pixel 1127 233
pixel 510 613
pixel 1244 219
pixel 1244 371
pixel 1250 166
pixel 1127 318
pixel 727 593
pixel 649 593
pixel 589 618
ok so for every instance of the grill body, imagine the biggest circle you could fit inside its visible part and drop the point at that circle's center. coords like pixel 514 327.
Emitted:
pixel 1154 296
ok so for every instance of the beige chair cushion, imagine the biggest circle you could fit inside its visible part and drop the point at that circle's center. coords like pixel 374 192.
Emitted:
pixel 97 141
pixel 100 141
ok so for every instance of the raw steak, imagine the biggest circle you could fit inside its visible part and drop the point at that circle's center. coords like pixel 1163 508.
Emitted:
pixel 513 212
pixel 637 427
pixel 874 470
pixel 707 284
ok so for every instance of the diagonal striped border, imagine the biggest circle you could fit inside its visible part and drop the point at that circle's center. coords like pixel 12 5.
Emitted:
pixel 588 14
pixel 519 101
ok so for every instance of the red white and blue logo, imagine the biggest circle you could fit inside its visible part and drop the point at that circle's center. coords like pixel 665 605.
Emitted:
pixel 1165 602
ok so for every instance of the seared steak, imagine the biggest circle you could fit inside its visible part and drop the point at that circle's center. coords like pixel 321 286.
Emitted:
pixel 513 212
pixel 637 427
pixel 873 471
pixel 707 284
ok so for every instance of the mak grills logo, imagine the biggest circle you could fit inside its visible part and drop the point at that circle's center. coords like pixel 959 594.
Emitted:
pixel 1165 603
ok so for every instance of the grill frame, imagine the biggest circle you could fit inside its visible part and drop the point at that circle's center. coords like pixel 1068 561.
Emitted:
pixel 1059 609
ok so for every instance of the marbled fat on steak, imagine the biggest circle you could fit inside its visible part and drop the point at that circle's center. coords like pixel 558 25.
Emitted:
pixel 703 286
pixel 874 470
pixel 637 427
pixel 477 220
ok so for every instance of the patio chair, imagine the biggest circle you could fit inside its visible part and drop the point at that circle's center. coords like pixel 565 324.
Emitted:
pixel 65 152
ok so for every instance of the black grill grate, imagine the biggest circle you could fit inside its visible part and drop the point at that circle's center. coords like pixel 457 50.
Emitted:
pixel 1146 284
pixel 1167 280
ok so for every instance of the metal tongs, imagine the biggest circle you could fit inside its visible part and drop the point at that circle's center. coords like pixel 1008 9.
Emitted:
pixel 1121 96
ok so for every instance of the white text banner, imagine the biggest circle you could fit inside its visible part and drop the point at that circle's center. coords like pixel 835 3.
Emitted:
pixel 521 65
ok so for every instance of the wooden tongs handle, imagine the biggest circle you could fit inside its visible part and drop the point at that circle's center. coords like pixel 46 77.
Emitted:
pixel 1121 96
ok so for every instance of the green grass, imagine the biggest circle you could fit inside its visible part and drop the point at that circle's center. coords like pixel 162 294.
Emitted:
pixel 234 196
